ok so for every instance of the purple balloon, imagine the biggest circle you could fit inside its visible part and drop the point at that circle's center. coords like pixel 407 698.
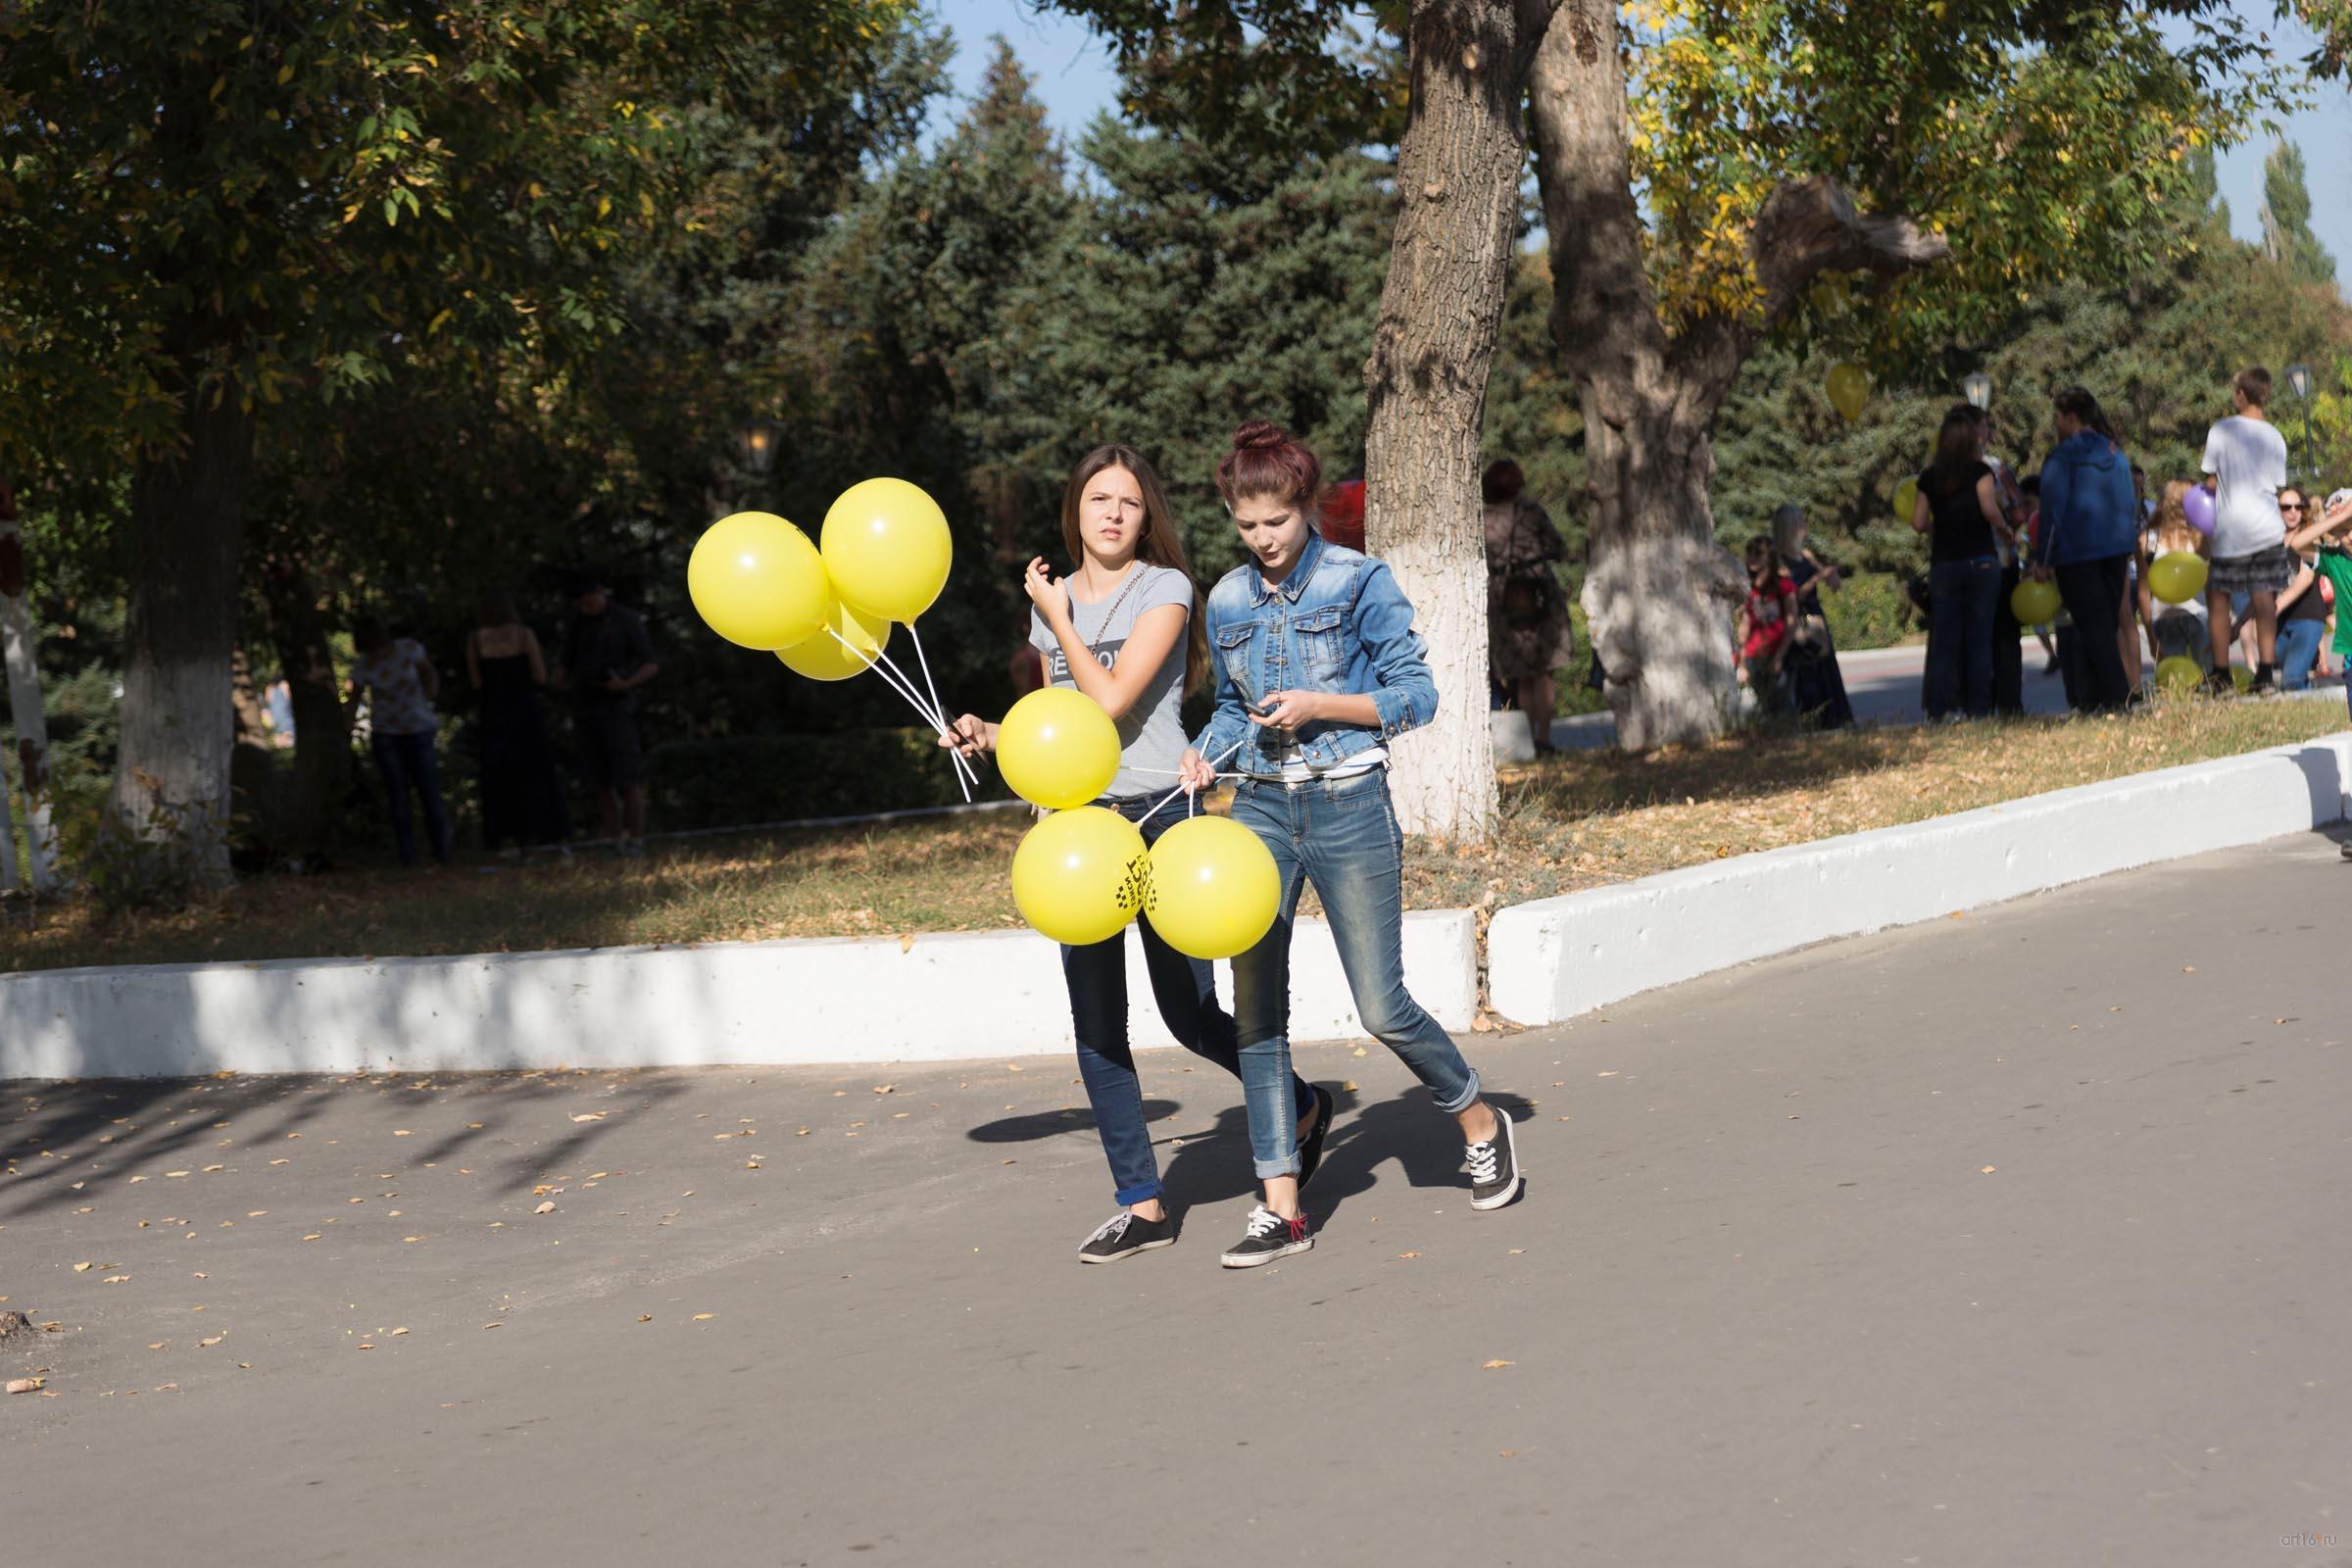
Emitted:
pixel 2199 506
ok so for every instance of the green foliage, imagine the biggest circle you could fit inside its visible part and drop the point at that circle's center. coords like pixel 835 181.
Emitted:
pixel 2287 236
pixel 1870 610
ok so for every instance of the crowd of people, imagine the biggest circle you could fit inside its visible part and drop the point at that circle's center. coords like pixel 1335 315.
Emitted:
pixel 606 656
pixel 2087 524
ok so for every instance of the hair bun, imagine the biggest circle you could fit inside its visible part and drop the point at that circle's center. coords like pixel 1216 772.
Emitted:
pixel 1258 435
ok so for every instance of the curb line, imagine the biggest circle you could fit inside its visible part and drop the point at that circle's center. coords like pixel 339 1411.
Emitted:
pixel 1555 959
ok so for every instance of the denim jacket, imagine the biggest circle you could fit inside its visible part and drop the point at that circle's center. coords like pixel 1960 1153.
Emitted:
pixel 1337 623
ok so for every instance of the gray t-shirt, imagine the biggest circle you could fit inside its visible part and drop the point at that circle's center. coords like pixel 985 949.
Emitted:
pixel 1152 735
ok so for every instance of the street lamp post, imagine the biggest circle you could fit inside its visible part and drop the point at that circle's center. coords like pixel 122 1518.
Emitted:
pixel 1976 387
pixel 2298 378
pixel 756 442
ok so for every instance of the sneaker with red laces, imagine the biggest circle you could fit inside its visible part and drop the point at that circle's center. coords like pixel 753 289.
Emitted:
pixel 1268 1236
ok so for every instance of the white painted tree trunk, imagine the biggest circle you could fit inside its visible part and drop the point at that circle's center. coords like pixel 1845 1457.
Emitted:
pixel 1444 775
pixel 1458 167
pixel 26 717
pixel 9 880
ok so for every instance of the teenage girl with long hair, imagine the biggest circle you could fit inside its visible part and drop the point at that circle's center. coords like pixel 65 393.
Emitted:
pixel 1319 668
pixel 1125 630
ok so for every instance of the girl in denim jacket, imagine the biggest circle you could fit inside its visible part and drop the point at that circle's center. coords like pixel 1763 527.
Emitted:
pixel 1122 629
pixel 1317 668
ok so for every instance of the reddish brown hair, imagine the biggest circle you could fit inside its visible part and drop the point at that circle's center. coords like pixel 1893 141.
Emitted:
pixel 1267 462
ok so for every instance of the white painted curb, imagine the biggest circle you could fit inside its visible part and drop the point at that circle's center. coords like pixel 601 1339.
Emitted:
pixel 831 1000
pixel 1558 958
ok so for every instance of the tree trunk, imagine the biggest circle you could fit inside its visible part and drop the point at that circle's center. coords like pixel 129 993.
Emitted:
pixel 1458 169
pixel 1660 592
pixel 18 648
pixel 322 721
pixel 187 513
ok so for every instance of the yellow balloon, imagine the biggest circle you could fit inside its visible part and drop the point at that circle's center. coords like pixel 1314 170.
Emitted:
pixel 822 658
pixel 2240 676
pixel 2035 603
pixel 1057 749
pixel 1079 876
pixel 758 580
pixel 887 547
pixel 1849 389
pixel 1214 890
pixel 2179 674
pixel 1907 498
pixel 2177 576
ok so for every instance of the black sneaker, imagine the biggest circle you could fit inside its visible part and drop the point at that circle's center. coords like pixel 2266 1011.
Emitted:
pixel 2265 682
pixel 1126 1234
pixel 2219 683
pixel 1268 1238
pixel 1310 1153
pixel 1494 1168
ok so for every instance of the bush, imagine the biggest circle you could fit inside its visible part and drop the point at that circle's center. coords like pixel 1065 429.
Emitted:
pixel 773 778
pixel 1871 610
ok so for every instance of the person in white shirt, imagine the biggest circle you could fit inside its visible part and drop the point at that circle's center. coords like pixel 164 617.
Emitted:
pixel 2245 463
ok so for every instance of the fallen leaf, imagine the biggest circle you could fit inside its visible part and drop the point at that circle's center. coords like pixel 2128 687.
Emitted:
pixel 208 1169
pixel 171 1173
pixel 593 1116
pixel 494 1325
pixel 886 1089
pixel 83 1268
pixel 704 1317
pixel 396 1333
pixel 115 1278
pixel 206 1344
pixel 313 1236
pixel 255 1214
pixel 1516 1250
pixel 546 1207
pixel 26 1384
pixel 1987 1170
pixel 645 1317
pixel 1492 1365
pixel 1408 1254
pixel 1349 1086
pixel 400 1132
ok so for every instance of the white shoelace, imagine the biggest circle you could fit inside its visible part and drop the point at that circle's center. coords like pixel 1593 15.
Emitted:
pixel 1114 1227
pixel 1485 1160
pixel 1263 1221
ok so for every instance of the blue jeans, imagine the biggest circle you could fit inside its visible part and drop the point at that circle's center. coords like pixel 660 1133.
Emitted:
pixel 406 762
pixel 1343 837
pixel 1185 991
pixel 2298 649
pixel 1964 599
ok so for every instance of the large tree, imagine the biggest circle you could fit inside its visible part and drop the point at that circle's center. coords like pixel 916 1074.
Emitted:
pixel 1717 172
pixel 2287 236
pixel 215 208
pixel 1461 151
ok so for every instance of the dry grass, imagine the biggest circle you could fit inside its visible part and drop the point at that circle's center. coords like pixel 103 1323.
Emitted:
pixel 1573 822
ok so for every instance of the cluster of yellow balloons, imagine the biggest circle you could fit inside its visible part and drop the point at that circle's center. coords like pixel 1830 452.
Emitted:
pixel 758 582
pixel 1207 886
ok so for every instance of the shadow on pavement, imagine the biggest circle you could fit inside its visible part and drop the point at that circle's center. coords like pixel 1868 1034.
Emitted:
pixel 1214 1167
pixel 1047 1123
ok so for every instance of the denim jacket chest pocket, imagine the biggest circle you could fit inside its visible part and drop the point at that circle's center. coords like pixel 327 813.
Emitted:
pixel 1233 652
pixel 1323 642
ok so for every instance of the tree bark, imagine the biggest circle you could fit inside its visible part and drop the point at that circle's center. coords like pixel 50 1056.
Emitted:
pixel 1659 593
pixel 1458 169
pixel 18 648
pixel 187 515
pixel 322 720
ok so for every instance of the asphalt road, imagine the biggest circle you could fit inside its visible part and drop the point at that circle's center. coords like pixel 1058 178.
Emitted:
pixel 2007 1240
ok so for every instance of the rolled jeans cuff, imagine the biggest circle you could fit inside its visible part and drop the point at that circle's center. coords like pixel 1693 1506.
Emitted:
pixel 1129 1197
pixel 1463 1101
pixel 1264 1168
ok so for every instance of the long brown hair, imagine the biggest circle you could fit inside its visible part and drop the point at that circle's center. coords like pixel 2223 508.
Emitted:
pixel 2173 531
pixel 1157 545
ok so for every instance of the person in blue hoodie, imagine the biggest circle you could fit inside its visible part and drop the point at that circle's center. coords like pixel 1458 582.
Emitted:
pixel 2090 526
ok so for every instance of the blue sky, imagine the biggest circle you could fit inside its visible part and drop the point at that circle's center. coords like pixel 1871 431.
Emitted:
pixel 1075 82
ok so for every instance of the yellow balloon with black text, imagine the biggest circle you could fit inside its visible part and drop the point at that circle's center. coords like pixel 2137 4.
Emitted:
pixel 1057 749
pixel 1078 876
pixel 2177 576
pixel 2033 602
pixel 1849 389
pixel 823 656
pixel 2178 675
pixel 887 547
pixel 757 581
pixel 1906 500
pixel 1214 890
